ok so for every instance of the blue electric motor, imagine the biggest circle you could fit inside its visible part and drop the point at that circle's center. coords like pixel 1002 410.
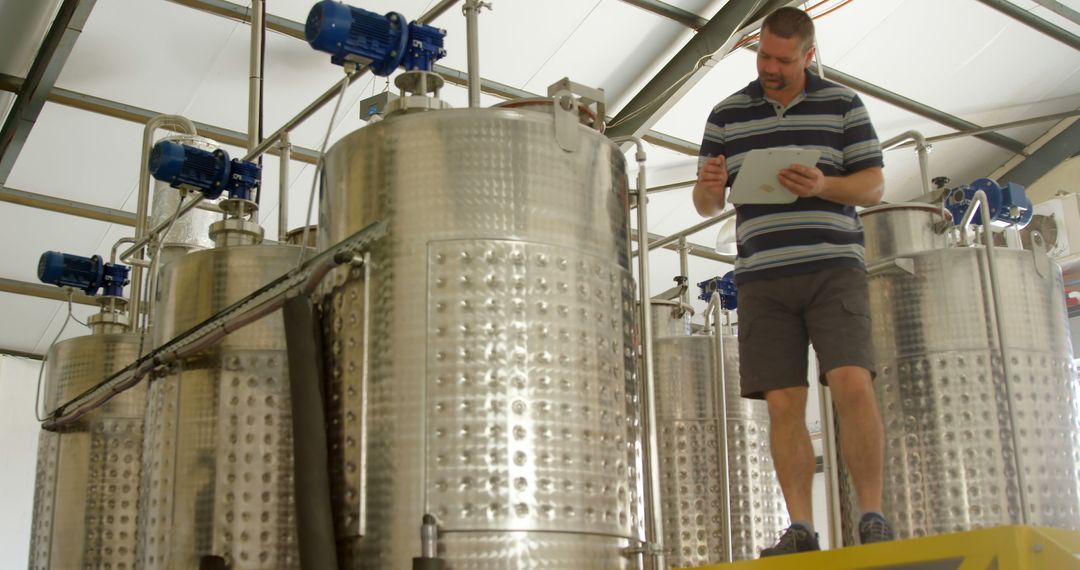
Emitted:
pixel 1009 204
pixel 211 173
pixel 367 38
pixel 86 273
pixel 725 286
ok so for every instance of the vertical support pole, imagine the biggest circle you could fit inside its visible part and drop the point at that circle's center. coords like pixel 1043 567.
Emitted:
pixel 725 450
pixel 258 25
pixel 472 38
pixel 283 187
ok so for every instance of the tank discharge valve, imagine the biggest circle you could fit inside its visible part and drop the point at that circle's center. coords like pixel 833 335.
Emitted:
pixel 1009 204
pixel 211 173
pixel 85 273
pixel 729 298
pixel 383 43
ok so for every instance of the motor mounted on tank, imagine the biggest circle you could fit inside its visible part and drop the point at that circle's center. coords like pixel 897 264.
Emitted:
pixel 383 43
pixel 1009 204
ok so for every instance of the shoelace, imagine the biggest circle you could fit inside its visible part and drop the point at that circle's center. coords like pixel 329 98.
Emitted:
pixel 874 528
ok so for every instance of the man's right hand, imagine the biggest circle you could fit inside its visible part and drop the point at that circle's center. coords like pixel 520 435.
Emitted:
pixel 711 183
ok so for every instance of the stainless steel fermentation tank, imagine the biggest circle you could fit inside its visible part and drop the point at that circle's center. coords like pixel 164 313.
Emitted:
pixel 217 484
pixel 86 494
pixel 952 449
pixel 489 335
pixel 692 485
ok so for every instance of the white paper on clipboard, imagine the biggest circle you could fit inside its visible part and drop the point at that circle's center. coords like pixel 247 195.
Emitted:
pixel 756 182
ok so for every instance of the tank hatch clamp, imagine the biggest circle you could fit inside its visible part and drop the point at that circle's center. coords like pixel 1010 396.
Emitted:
pixel 250 309
pixel 647 549
pixel 570 100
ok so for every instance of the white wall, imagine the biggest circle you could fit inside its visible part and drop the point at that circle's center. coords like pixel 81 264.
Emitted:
pixel 18 452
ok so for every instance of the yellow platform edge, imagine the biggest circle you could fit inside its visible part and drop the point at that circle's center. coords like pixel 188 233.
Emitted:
pixel 1013 547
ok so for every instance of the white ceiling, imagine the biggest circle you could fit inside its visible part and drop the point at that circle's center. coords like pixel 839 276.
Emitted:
pixel 956 55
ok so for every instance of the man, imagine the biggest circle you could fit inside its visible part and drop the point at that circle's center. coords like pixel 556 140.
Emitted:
pixel 800 268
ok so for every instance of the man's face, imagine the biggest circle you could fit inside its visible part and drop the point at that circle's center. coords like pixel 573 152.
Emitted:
pixel 781 61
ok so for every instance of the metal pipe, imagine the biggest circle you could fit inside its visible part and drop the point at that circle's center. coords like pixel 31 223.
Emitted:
pixel 141 242
pixel 155 267
pixel 830 460
pixel 44 291
pixel 672 186
pixel 980 201
pixel 471 9
pixel 1028 19
pixel 258 28
pixel 654 529
pixel 283 188
pixel 725 451
pixel 983 130
pixel 116 246
pixel 684 271
pixel 141 213
pixel 255 306
pixel 436 11
pixel 691 230
pixel 923 150
pixel 303 115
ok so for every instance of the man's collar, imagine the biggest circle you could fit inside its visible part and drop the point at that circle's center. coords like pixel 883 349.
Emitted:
pixel 813 83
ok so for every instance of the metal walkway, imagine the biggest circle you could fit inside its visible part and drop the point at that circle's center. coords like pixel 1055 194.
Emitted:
pixel 1002 548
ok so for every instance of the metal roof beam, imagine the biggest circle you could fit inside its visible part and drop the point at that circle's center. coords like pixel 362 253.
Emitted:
pixel 1061 10
pixel 142 116
pixel 50 60
pixel 684 17
pixel 1031 20
pixel 281 25
pixel 921 109
pixel 63 206
pixel 43 291
pixel 460 78
pixel 21 354
pixel 672 143
pixel 712 42
pixel 1062 147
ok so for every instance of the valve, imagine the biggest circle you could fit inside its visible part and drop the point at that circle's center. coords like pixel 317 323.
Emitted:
pixel 85 273
pixel 383 43
pixel 1009 204
pixel 725 286
pixel 211 173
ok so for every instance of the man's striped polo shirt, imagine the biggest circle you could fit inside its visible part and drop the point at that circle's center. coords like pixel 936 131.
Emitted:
pixel 809 234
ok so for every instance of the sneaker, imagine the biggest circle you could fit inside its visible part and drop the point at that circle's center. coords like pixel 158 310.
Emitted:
pixel 795 539
pixel 874 528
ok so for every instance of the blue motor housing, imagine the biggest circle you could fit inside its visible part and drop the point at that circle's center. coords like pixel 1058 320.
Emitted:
pixel 382 42
pixel 1009 204
pixel 725 286
pixel 211 173
pixel 86 273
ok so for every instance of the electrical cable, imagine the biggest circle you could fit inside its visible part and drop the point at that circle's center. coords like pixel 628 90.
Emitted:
pixel 318 167
pixel 45 358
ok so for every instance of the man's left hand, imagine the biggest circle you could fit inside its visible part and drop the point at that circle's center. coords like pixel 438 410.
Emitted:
pixel 803 181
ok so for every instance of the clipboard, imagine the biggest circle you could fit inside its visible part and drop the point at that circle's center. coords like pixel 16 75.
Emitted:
pixel 756 182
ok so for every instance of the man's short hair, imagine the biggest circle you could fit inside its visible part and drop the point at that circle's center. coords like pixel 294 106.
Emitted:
pixel 791 22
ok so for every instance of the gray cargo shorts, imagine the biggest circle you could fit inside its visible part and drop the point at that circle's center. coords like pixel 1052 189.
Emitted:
pixel 779 317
